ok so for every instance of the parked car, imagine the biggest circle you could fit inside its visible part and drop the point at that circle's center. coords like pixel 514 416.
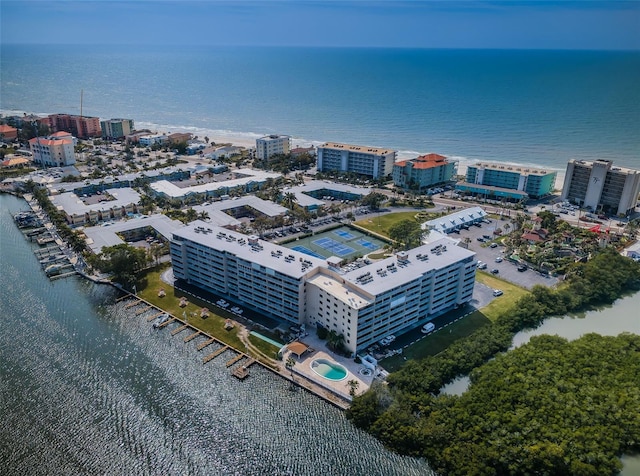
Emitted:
pixel 482 265
pixel 497 292
pixel 428 327
pixel 522 268
pixel 495 271
pixel 499 259
pixel 387 340
pixel 493 245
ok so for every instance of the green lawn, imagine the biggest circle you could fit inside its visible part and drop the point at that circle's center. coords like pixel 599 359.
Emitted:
pixel 381 224
pixel 438 341
pixel 148 286
pixel 501 303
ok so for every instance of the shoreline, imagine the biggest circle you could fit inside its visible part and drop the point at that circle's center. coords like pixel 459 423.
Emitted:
pixel 248 140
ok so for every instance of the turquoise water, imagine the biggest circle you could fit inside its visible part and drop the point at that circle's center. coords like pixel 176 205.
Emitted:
pixel 534 107
pixel 329 370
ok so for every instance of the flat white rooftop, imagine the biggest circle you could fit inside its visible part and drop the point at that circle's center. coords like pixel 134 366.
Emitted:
pixel 337 289
pixel 106 235
pixel 74 205
pixel 289 262
pixel 250 176
pixel 364 149
pixel 459 218
pixel 407 266
pixel 217 216
pixel 304 200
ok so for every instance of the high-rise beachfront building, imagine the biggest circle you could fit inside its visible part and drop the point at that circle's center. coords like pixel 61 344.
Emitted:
pixel 374 162
pixel 423 172
pixel 600 186
pixel 514 182
pixel 82 127
pixel 272 144
pixel 365 305
pixel 116 128
pixel 56 150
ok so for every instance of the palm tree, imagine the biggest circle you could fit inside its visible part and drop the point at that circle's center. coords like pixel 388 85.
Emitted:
pixel 203 215
pixel 289 200
pixel 191 215
pixel 334 340
pixel 353 386
pixel 289 364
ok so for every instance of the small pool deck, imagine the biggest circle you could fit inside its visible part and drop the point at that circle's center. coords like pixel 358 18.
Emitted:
pixel 318 350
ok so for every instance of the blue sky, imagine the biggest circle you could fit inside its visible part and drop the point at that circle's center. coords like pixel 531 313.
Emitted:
pixel 542 24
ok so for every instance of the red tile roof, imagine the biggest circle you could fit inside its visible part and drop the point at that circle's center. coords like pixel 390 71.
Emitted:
pixel 425 161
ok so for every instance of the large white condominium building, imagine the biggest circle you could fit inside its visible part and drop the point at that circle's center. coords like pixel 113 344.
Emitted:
pixel 55 150
pixel 374 162
pixel 364 305
pixel 601 186
pixel 273 144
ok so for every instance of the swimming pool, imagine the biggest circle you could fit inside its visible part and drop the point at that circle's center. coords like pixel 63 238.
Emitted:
pixel 329 370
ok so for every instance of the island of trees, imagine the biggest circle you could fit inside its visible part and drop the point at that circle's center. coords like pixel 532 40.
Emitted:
pixel 550 407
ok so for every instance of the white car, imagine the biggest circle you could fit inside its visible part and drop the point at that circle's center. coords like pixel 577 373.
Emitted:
pixel 499 259
pixel 497 292
pixel 428 327
pixel 388 340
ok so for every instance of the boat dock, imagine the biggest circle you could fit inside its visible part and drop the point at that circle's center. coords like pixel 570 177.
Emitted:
pixel 215 354
pixel 206 343
pixel 235 359
pixel 242 372
pixel 192 336
pixel 238 367
pixel 144 309
pixel 154 316
pixel 164 324
pixel 179 329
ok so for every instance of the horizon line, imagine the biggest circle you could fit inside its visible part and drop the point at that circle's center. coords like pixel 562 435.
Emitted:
pixel 371 47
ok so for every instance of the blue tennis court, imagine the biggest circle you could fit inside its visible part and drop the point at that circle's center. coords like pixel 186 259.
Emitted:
pixel 305 250
pixel 344 234
pixel 333 246
pixel 367 244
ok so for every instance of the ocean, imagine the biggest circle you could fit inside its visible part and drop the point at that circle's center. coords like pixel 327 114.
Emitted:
pixel 538 108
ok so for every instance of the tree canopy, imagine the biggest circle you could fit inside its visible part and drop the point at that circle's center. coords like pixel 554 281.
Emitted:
pixel 407 232
pixel 457 437
pixel 122 261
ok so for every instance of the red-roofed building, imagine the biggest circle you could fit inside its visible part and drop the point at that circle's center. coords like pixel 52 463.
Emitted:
pixel 532 237
pixel 8 133
pixel 423 172
pixel 53 151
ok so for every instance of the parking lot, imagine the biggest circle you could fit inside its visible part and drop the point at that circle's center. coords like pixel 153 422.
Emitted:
pixel 506 269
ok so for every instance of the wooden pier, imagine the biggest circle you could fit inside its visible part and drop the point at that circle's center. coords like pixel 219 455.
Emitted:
pixel 192 336
pixel 164 324
pixel 242 372
pixel 179 329
pixel 143 310
pixel 235 359
pixel 154 316
pixel 134 303
pixel 205 344
pixel 215 354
